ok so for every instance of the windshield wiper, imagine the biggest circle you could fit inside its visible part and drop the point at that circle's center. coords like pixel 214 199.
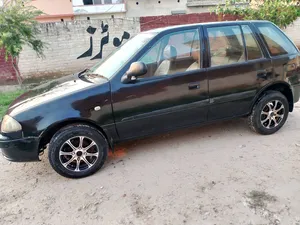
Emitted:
pixel 93 75
pixel 83 72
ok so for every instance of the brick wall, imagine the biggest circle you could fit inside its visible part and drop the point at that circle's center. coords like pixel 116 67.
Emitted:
pixel 151 22
pixel 70 40
pixel 7 72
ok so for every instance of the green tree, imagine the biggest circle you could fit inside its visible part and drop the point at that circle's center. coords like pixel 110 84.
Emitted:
pixel 18 27
pixel 280 12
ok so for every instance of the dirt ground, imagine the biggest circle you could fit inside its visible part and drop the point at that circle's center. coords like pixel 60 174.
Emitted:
pixel 222 174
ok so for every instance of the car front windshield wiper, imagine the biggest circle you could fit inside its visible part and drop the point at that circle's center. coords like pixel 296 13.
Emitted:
pixel 83 72
pixel 87 72
pixel 95 75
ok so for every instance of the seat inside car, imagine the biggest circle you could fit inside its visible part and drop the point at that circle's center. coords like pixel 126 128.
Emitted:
pixel 195 48
pixel 168 65
pixel 196 57
pixel 225 50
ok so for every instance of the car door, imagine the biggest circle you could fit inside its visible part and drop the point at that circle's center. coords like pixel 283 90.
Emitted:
pixel 173 93
pixel 237 65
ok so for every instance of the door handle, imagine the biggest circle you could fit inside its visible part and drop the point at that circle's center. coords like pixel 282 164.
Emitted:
pixel 193 86
pixel 263 74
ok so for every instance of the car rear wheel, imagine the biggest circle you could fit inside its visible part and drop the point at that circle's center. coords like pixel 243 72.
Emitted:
pixel 77 151
pixel 269 114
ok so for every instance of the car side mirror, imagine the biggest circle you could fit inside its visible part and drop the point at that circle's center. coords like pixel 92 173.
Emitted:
pixel 136 69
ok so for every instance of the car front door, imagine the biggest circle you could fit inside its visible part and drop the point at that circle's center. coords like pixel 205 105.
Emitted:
pixel 173 93
pixel 237 65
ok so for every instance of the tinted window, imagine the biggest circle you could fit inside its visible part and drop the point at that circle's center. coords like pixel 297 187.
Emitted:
pixel 182 42
pixel 226 45
pixel 176 52
pixel 277 42
pixel 152 54
pixel 253 49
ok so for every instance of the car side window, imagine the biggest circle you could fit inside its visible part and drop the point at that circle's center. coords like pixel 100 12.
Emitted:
pixel 174 53
pixel 226 45
pixel 252 46
pixel 277 42
pixel 152 54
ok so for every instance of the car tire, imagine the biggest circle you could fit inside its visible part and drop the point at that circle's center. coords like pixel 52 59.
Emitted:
pixel 77 151
pixel 269 113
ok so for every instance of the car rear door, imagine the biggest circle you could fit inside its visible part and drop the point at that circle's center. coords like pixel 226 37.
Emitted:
pixel 236 66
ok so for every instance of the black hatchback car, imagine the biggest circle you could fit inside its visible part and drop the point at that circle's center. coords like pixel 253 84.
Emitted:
pixel 159 80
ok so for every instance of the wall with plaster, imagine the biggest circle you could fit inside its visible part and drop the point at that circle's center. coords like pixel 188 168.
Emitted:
pixel 73 46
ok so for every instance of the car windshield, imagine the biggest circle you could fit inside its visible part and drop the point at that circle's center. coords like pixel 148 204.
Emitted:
pixel 113 62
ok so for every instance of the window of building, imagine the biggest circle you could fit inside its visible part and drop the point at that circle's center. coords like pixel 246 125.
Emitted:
pixel 226 45
pixel 253 49
pixel 100 2
pixel 88 2
pixel 277 42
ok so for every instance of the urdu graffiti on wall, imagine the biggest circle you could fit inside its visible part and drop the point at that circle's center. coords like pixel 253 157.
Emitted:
pixel 104 40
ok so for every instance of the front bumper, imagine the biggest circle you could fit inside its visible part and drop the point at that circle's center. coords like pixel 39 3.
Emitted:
pixel 20 150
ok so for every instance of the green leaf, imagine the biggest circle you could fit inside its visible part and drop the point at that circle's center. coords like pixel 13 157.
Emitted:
pixel 18 27
pixel 280 12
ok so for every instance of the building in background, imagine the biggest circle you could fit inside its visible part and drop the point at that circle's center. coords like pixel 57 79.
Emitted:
pixel 97 9
pixel 66 10
pixel 87 9
pixel 137 8
pixel 55 10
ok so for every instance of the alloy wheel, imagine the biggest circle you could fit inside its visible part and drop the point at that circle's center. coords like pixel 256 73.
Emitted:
pixel 272 114
pixel 78 154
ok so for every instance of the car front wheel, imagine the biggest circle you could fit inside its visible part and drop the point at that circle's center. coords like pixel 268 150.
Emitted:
pixel 269 114
pixel 77 151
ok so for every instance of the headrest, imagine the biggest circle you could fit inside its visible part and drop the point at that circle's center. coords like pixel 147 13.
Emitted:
pixel 170 52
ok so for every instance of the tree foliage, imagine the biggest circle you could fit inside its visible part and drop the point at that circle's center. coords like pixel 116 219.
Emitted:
pixel 280 12
pixel 18 27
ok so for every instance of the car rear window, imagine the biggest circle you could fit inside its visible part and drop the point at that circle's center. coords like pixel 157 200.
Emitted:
pixel 253 49
pixel 277 42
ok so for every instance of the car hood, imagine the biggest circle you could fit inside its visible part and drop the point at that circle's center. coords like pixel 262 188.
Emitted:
pixel 52 90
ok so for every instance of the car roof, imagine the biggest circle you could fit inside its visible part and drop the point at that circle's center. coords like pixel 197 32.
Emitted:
pixel 159 30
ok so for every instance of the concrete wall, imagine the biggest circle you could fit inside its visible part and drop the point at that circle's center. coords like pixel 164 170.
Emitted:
pixel 100 16
pixel 68 41
pixel 138 8
pixel 293 31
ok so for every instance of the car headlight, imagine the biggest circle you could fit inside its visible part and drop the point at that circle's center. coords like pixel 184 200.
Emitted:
pixel 10 125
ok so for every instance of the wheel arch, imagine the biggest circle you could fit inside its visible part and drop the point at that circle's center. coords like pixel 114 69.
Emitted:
pixel 282 87
pixel 49 132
